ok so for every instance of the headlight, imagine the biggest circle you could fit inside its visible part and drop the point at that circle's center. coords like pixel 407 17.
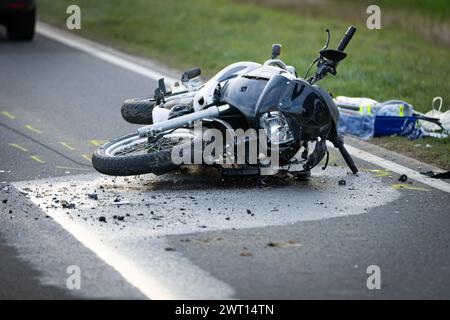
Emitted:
pixel 276 127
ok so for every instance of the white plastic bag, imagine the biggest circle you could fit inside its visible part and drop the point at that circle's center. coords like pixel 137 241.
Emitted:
pixel 445 121
pixel 362 105
pixel 433 113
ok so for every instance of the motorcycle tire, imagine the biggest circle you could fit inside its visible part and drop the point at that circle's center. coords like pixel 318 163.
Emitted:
pixel 107 159
pixel 138 110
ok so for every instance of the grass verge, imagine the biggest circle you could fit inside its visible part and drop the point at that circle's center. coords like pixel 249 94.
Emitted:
pixel 429 150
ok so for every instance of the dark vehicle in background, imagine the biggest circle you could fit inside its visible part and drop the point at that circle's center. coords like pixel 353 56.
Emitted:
pixel 19 18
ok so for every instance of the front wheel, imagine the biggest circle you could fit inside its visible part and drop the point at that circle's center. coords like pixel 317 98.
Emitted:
pixel 133 155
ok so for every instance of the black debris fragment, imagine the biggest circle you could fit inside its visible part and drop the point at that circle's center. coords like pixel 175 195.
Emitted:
pixel 66 205
pixel 342 182
pixel 102 219
pixel 169 249
pixel 92 196
pixel 403 178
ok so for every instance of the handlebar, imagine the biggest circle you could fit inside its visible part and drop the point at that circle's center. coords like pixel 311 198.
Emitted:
pixel 346 39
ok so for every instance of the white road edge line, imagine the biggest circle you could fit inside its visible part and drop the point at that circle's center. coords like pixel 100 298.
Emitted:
pixel 150 287
pixel 397 168
pixel 79 43
pixel 83 45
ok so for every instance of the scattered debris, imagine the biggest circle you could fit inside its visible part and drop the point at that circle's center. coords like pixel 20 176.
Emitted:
pixel 342 182
pixel 119 203
pixel 403 178
pixel 66 205
pixel 287 244
pixel 5 201
pixel 169 249
pixel 246 254
pixel 249 211
pixel 102 219
pixel 92 196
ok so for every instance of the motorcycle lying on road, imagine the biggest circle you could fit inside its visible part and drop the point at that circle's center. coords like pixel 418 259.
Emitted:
pixel 294 113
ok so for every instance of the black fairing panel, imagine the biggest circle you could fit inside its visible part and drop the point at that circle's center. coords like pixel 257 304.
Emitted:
pixel 309 110
pixel 306 108
pixel 243 93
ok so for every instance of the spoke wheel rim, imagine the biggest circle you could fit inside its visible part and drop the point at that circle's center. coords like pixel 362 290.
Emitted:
pixel 136 146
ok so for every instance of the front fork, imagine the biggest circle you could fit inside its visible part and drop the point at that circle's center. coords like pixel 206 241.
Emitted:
pixel 339 144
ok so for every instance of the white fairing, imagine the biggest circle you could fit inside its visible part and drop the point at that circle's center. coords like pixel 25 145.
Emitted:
pixel 160 114
pixel 206 94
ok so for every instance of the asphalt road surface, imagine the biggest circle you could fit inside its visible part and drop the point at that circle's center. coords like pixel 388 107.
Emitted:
pixel 189 234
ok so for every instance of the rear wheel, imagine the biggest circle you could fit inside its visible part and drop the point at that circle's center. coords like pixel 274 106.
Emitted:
pixel 21 25
pixel 138 110
pixel 133 155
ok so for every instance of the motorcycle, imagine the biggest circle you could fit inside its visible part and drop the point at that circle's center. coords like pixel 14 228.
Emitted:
pixel 295 114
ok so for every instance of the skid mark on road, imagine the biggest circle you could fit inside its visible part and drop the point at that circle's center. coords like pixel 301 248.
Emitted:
pixel 127 225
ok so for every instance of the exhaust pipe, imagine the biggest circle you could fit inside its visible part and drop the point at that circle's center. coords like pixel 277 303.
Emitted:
pixel 178 122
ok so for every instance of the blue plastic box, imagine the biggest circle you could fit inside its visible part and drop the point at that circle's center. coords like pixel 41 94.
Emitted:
pixel 387 126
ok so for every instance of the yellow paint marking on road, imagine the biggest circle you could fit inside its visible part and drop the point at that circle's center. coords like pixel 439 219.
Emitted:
pixel 66 145
pixel 8 115
pixel 380 173
pixel 18 146
pixel 71 168
pixel 408 187
pixel 88 157
pixel 31 128
pixel 96 143
pixel 37 159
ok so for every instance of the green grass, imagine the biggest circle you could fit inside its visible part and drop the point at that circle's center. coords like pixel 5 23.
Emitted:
pixel 432 8
pixel 384 64
pixel 436 153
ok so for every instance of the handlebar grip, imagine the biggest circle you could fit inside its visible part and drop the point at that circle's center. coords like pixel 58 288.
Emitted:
pixel 347 37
